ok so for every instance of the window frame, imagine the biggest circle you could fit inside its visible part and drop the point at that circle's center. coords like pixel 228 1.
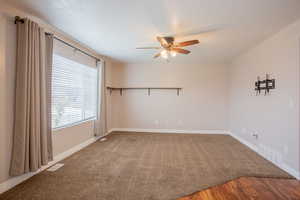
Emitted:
pixel 97 102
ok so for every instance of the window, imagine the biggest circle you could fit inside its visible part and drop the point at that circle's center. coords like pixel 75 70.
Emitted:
pixel 74 92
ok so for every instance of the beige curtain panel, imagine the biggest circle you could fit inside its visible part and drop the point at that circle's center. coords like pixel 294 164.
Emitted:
pixel 32 142
pixel 100 123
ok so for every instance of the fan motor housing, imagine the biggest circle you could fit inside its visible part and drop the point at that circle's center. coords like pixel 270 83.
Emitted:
pixel 169 39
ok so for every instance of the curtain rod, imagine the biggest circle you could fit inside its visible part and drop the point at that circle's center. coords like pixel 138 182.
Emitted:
pixel 70 45
pixel 19 19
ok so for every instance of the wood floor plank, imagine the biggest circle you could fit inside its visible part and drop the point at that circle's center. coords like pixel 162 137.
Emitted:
pixel 251 188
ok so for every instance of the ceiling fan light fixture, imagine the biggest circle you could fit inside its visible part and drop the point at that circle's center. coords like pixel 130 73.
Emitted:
pixel 173 53
pixel 164 54
pixel 169 48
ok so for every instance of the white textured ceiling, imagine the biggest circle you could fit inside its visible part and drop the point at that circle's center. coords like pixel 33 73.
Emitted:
pixel 115 27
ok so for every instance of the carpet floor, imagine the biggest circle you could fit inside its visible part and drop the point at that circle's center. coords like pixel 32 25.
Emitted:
pixel 146 166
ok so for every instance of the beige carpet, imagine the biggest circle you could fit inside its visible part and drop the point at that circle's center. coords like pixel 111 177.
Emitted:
pixel 141 166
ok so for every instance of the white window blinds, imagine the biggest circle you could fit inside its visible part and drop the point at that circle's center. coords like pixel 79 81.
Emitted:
pixel 74 92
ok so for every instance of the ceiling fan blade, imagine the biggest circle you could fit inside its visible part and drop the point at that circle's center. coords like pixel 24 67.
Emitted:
pixel 156 55
pixel 183 51
pixel 148 48
pixel 187 43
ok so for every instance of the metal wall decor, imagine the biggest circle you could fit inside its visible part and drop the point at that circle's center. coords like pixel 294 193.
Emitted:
pixel 266 85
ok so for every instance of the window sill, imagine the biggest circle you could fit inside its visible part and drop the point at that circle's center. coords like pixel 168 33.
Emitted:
pixel 73 124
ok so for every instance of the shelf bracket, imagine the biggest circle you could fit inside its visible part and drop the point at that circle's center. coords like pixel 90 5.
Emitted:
pixel 148 91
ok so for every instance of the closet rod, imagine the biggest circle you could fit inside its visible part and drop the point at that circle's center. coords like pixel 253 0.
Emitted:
pixel 19 19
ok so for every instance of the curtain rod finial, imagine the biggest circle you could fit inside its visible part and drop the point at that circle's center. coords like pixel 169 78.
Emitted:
pixel 18 19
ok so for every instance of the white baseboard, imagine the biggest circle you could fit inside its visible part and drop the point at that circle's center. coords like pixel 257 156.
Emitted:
pixel 10 183
pixel 281 165
pixel 170 131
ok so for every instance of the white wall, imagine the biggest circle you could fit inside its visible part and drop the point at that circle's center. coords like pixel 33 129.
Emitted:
pixel 202 105
pixel 275 118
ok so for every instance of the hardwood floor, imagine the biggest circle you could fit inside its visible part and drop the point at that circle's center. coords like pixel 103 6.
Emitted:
pixel 251 188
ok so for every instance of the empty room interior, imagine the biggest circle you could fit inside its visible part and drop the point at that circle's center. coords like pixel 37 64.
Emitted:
pixel 149 100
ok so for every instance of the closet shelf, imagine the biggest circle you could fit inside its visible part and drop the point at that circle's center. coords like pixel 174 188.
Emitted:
pixel 143 88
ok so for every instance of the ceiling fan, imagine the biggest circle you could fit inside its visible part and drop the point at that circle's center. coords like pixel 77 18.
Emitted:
pixel 170 48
